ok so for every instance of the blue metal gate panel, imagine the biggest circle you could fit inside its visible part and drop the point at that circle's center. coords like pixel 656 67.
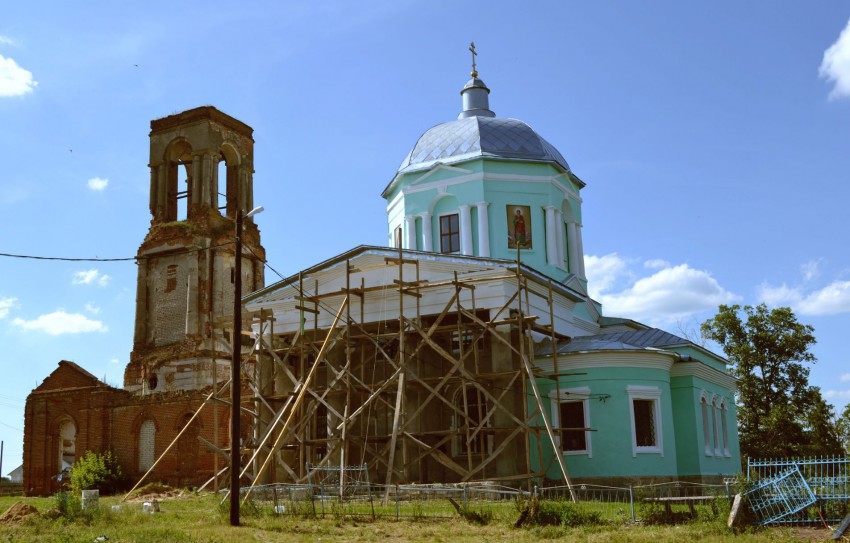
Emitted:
pixel 780 496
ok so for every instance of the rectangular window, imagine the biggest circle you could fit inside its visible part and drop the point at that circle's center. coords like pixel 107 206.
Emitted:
pixel 397 237
pixel 570 410
pixel 572 418
pixel 645 407
pixel 449 234
pixel 462 343
pixel 644 423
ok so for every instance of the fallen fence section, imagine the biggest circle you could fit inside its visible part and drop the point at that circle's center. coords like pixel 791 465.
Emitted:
pixel 799 490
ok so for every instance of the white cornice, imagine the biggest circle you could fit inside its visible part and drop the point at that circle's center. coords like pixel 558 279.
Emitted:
pixel 440 166
pixel 418 186
pixel 656 360
pixel 705 372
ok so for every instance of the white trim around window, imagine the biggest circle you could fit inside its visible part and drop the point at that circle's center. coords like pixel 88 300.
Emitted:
pixel 569 395
pixel 653 395
pixel 715 407
pixel 723 414
pixel 706 428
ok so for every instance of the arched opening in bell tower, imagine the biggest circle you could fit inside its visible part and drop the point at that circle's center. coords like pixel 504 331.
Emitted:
pixel 179 180
pixel 228 196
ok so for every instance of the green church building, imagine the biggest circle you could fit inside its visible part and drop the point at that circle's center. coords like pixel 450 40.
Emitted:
pixel 469 349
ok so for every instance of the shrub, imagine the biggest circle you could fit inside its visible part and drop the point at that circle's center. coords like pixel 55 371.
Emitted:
pixel 99 471
pixel 540 512
pixel 66 505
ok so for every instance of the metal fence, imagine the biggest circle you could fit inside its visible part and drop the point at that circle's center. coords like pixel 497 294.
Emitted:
pixel 799 490
pixel 325 496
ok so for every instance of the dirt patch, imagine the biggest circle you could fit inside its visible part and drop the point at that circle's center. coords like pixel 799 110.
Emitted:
pixel 156 491
pixel 17 512
pixel 807 533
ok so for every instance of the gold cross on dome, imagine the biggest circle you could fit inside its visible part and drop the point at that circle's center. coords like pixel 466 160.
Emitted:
pixel 474 54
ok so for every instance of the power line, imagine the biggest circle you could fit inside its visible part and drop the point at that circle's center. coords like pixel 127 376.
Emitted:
pixel 122 259
pixel 12 427
pixel 64 259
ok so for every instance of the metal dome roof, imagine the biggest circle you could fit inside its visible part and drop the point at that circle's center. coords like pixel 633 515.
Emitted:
pixel 478 136
pixel 478 133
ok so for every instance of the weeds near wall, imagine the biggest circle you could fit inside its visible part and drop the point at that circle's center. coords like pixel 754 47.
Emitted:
pixel 536 512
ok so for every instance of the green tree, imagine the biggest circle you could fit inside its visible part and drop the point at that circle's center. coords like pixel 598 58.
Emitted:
pixel 99 471
pixel 779 414
pixel 842 426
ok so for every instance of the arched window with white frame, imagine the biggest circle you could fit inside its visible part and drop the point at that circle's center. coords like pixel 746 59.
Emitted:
pixel 723 414
pixel 714 424
pixel 706 430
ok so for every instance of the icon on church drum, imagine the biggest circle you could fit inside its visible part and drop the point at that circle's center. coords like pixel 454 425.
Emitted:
pixel 519 227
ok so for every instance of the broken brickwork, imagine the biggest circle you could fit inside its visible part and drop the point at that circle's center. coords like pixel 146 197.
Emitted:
pixel 202 166
pixel 105 418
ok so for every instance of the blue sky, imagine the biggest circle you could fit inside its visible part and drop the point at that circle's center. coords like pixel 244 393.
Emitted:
pixel 714 138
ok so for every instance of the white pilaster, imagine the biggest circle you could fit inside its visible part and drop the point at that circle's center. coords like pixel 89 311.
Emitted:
pixel 559 235
pixel 571 248
pixel 465 230
pixel 410 234
pixel 427 236
pixel 551 237
pixel 483 229
pixel 580 251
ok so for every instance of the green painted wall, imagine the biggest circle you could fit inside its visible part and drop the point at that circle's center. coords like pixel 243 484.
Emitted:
pixel 506 182
pixel 694 458
pixel 611 454
pixel 612 441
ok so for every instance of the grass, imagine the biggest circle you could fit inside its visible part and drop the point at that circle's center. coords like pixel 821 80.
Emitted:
pixel 201 519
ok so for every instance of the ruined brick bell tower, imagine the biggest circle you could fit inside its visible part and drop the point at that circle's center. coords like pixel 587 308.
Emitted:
pixel 201 163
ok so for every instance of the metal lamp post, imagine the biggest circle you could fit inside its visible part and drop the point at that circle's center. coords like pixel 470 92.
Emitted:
pixel 235 370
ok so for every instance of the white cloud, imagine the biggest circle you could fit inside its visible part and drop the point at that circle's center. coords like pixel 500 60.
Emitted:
pixel 93 309
pixel 656 264
pixel 98 183
pixel 835 66
pixel 810 270
pixel 781 295
pixel 60 322
pixel 6 304
pixel 114 361
pixel 830 300
pixel 836 394
pixel 603 272
pixel 91 277
pixel 844 378
pixel 14 80
pixel 7 40
pixel 671 294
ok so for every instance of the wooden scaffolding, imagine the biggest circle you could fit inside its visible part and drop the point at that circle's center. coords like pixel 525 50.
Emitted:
pixel 445 397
